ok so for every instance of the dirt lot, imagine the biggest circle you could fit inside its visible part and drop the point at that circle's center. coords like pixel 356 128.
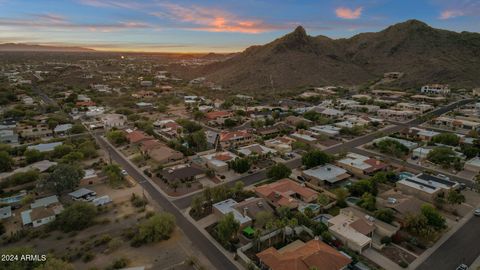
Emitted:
pixel 98 246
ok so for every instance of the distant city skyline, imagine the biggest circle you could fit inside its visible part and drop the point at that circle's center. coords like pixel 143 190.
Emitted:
pixel 213 26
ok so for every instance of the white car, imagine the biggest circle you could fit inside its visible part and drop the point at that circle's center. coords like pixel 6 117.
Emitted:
pixel 477 212
pixel 124 172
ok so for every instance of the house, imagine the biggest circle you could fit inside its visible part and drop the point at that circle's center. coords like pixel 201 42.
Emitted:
pixel 102 200
pixel 298 255
pixel 40 166
pixel 408 144
pixel 425 186
pixel 327 130
pixel 90 177
pixel 159 152
pixel 327 174
pixel 62 129
pixel 420 134
pixel 5 212
pixel 281 144
pixel 328 112
pixel 8 136
pixel 168 128
pixel 417 107
pixel 144 94
pixel 42 211
pixel 218 161
pixel 45 147
pixel 360 165
pixel 472 165
pixel 435 89
pixel 94 111
pixel 218 117
pixel 227 206
pixel 111 120
pixel 83 194
pixel 33 131
pixel 184 172
pixel 397 115
pixel 235 138
pixel 256 149
pixel 456 123
pixel 359 231
pixel 252 206
pixel 295 120
pixel 137 136
pixel 402 204
pixel 286 192
pixel 305 136
pixel 213 139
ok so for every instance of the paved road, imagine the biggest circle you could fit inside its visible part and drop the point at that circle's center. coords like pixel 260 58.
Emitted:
pixel 462 247
pixel 202 243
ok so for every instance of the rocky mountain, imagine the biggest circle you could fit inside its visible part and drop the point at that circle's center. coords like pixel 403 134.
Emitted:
pixel 422 53
pixel 21 47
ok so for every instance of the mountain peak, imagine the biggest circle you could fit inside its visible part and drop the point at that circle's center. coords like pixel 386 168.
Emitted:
pixel 299 30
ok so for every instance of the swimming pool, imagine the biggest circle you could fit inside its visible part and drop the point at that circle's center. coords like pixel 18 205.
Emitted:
pixel 403 175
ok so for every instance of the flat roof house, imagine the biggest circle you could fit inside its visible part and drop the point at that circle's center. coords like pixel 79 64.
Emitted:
pixel 281 144
pixel 228 206
pixel 425 186
pixel 286 192
pixel 361 165
pixel 185 172
pixel 473 165
pixel 45 147
pixel 298 255
pixel 218 161
pixel 257 149
pixel 42 211
pixel 326 174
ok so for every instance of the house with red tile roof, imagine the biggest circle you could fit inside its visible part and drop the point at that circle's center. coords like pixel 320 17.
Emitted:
pixel 298 255
pixel 235 138
pixel 137 136
pixel 286 192
pixel 218 117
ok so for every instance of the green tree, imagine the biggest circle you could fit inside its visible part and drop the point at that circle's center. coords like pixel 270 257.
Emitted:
pixel 72 157
pixel 367 201
pixel 392 147
pixel 279 171
pixel 88 149
pixel 114 175
pixel 446 139
pixel 341 194
pixel 455 197
pixel 262 218
pixel 77 128
pixel 240 165
pixel 76 217
pixel 315 158
pixel 385 215
pixel 363 186
pixel 116 137
pixel 61 150
pixel 156 228
pixel 198 115
pixel 227 229
pixel 443 156
pixel 197 140
pixel 65 177
pixel 6 161
pixel 434 218
pixel 33 155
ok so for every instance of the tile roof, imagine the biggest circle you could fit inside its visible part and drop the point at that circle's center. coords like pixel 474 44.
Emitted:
pixel 313 254
pixel 281 192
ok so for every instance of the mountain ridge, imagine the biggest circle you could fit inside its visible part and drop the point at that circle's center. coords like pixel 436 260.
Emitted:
pixel 424 54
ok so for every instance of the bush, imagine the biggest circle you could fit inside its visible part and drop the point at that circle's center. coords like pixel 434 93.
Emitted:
pixel 76 217
pixel 138 201
pixel 156 228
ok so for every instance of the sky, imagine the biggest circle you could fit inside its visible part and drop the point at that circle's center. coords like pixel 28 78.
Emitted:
pixel 213 26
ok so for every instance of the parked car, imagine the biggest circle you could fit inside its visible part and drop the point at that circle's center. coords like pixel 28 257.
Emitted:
pixel 124 172
pixel 462 267
pixel 477 212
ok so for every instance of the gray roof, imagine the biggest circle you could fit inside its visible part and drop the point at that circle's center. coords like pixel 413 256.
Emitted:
pixel 45 147
pixel 44 202
pixel 5 212
pixel 81 192
pixel 63 128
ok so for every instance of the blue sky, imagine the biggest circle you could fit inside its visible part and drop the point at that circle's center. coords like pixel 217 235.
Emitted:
pixel 219 26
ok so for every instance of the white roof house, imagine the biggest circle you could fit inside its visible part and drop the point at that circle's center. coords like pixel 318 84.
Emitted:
pixel 327 130
pixel 62 128
pixel 256 149
pixel 409 144
pixel 327 173
pixel 45 147
pixel 228 206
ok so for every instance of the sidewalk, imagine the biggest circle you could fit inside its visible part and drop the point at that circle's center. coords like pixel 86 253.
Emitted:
pixel 381 260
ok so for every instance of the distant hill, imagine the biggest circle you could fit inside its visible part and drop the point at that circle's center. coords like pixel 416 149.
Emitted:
pixel 19 47
pixel 424 54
